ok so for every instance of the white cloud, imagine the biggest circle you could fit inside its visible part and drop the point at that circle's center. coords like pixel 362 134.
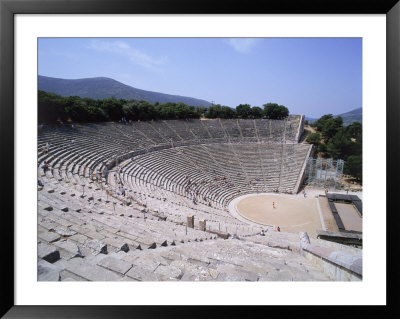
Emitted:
pixel 242 45
pixel 124 49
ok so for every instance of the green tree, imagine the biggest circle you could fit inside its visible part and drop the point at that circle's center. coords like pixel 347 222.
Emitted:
pixel 51 107
pixel 322 149
pixel 353 166
pixel 218 110
pixel 320 123
pixel 243 111
pixel 339 142
pixel 256 112
pixel 337 146
pixel 314 138
pixel 275 111
pixel 331 127
pixel 354 130
pixel 201 109
pixel 113 108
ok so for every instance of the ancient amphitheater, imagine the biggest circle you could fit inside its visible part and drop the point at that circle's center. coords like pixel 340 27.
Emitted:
pixel 152 201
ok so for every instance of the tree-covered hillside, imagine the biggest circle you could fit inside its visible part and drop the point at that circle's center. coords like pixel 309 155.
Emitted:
pixel 334 140
pixel 54 108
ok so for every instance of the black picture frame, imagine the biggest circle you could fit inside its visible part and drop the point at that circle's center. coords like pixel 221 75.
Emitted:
pixel 9 8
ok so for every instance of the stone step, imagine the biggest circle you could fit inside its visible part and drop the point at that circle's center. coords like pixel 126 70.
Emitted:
pixel 79 267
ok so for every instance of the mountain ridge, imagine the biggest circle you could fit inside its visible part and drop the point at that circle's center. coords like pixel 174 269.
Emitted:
pixel 104 87
pixel 348 117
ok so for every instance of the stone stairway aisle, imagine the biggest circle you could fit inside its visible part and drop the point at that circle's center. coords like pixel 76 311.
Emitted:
pixel 211 260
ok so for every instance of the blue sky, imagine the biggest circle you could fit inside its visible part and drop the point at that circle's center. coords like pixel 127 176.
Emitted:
pixel 311 76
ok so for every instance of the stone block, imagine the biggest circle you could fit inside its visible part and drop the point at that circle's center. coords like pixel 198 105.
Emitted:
pixel 94 235
pixel 142 274
pixel 47 271
pixel 116 265
pixel 219 234
pixel 147 263
pixel 68 249
pixel 49 237
pixel 202 225
pixel 96 246
pixel 81 239
pixel 81 268
pixel 169 272
pixel 50 226
pixel 64 231
pixel 190 221
pixel 233 273
pixel 119 243
pixel 64 222
pixel 48 252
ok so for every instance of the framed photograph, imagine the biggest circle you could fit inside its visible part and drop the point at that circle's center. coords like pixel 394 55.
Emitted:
pixel 117 174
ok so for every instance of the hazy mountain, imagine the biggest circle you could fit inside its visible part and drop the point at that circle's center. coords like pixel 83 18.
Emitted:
pixel 352 116
pixel 348 117
pixel 101 87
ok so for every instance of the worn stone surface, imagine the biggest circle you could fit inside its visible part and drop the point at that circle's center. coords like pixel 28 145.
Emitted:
pixel 64 222
pixel 47 271
pixel 169 272
pixel 49 236
pixel 64 231
pixel 83 229
pixel 130 258
pixel 90 272
pixel 81 239
pixel 48 252
pixel 220 234
pixel 119 243
pixel 94 235
pixel 96 246
pixel 116 265
pixel 234 273
pixel 141 274
pixel 150 262
pixel 47 224
pixel 68 249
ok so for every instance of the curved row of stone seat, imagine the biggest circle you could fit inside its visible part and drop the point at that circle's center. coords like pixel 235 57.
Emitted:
pixel 211 260
pixel 161 188
pixel 77 159
pixel 159 132
pixel 217 173
pixel 77 242
pixel 75 229
pixel 107 136
pixel 80 181
pixel 67 203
